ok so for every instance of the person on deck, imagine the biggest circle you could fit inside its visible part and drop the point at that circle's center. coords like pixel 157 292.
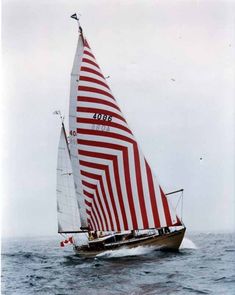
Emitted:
pixel 166 230
pixel 90 236
pixel 160 231
pixel 95 234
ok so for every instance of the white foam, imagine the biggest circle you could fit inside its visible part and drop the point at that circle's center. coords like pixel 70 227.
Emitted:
pixel 187 244
pixel 137 251
pixel 141 250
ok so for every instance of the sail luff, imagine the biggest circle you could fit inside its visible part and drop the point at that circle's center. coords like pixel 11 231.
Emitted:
pixel 67 209
pixel 119 190
pixel 73 132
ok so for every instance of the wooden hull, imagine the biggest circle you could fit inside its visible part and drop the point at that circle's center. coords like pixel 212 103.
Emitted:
pixel 166 242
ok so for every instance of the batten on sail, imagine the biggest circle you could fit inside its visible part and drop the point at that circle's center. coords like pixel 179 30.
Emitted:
pixel 118 188
pixel 67 207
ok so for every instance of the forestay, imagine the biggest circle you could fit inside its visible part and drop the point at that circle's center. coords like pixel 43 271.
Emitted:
pixel 119 189
pixel 67 207
pixel 73 134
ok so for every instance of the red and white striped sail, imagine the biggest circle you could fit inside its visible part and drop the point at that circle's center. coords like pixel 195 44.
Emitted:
pixel 119 189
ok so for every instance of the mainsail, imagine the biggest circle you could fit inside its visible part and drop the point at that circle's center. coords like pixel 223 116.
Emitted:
pixel 67 207
pixel 118 188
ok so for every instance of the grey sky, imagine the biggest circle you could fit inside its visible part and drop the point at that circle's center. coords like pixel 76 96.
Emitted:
pixel 172 71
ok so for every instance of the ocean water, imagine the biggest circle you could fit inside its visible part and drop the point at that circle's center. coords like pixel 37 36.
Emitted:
pixel 205 264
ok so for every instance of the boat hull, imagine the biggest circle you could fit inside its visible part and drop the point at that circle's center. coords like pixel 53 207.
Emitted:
pixel 166 242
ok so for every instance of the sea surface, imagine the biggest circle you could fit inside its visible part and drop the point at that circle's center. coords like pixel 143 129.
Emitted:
pixel 205 264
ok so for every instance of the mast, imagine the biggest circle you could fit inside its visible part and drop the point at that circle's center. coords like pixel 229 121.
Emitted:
pixel 72 126
pixel 74 16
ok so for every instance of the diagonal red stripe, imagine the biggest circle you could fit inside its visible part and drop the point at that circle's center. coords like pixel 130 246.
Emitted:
pixel 124 150
pixel 89 70
pixel 106 203
pixel 152 195
pixel 118 184
pixel 140 186
pixel 97 177
pixel 101 144
pixel 166 208
pixel 89 204
pixel 89 185
pixel 97 100
pixel 88 53
pixel 103 123
pixel 98 218
pixel 129 187
pixel 94 90
pixel 97 210
pixel 103 167
pixel 92 80
pixel 105 134
pixel 86 44
pixel 87 194
pixel 93 223
pixel 86 60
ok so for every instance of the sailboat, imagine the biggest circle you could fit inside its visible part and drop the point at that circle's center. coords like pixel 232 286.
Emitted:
pixel 106 189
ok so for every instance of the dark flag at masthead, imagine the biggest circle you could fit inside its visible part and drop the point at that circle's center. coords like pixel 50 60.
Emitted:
pixel 74 16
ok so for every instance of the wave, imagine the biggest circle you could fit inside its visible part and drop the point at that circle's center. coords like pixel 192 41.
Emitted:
pixel 123 252
pixel 188 244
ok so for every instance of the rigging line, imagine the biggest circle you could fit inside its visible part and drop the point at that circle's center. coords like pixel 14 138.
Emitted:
pixel 180 199
pixel 178 202
pixel 182 207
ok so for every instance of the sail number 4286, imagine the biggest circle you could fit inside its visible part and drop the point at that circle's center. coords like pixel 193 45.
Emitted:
pixel 104 117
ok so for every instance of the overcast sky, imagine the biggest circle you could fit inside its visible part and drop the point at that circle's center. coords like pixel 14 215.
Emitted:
pixel 171 68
